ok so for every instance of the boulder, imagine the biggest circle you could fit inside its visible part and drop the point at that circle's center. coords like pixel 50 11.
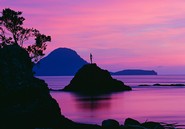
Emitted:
pixel 92 79
pixel 110 123
pixel 130 121
pixel 152 125
pixel 132 124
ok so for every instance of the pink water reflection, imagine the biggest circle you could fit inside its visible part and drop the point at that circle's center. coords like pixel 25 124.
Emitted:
pixel 164 104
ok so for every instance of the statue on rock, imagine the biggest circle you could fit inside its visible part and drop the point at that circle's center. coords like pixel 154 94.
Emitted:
pixel 91 57
pixel 91 79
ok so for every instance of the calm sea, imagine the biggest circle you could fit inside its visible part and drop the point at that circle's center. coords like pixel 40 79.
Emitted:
pixel 162 104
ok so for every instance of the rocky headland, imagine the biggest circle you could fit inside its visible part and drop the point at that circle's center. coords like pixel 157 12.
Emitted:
pixel 91 79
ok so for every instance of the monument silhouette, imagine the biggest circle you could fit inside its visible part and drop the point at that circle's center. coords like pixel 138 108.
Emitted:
pixel 91 57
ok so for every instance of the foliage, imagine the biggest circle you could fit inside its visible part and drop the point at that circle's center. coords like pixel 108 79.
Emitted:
pixel 13 32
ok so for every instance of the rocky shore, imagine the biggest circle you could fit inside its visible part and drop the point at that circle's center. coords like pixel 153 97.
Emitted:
pixel 129 123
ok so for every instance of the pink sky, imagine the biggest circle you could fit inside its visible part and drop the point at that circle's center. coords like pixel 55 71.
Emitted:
pixel 121 34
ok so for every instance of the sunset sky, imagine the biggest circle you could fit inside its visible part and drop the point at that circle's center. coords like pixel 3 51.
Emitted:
pixel 121 34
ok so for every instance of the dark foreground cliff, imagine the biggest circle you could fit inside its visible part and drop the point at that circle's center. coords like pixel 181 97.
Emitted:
pixel 25 100
pixel 92 79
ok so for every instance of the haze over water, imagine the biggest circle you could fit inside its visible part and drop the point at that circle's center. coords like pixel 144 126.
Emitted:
pixel 162 104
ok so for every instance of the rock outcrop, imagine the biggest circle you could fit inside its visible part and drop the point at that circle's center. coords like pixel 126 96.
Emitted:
pixel 134 124
pixel 25 100
pixel 111 123
pixel 92 79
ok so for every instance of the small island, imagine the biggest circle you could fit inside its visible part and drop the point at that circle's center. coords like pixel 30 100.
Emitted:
pixel 92 79
pixel 158 84
pixel 135 72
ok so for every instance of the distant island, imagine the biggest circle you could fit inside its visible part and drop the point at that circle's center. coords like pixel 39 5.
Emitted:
pixel 60 62
pixel 157 84
pixel 66 62
pixel 135 72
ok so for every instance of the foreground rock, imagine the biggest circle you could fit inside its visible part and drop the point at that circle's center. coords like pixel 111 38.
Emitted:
pixel 25 100
pixel 92 79
pixel 110 123
pixel 134 124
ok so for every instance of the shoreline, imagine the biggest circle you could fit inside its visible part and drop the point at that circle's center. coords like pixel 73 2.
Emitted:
pixel 128 123
pixel 144 85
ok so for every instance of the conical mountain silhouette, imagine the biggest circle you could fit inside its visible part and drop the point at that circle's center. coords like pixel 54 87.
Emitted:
pixel 60 62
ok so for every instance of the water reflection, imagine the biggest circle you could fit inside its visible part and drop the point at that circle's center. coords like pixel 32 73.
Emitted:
pixel 164 104
pixel 93 103
pixel 147 103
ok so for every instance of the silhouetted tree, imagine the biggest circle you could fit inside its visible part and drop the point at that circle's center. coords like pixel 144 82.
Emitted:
pixel 13 32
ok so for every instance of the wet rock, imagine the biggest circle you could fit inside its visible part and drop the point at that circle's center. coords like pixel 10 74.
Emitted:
pixel 152 125
pixel 130 121
pixel 132 127
pixel 132 124
pixel 110 123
